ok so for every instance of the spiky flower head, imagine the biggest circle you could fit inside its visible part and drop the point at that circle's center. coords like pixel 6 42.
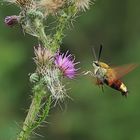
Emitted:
pixel 51 6
pixel 66 64
pixel 11 20
pixel 42 55
pixel 82 5
pixel 47 71
pixel 23 3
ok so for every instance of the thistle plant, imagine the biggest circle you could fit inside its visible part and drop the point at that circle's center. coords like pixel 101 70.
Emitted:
pixel 52 66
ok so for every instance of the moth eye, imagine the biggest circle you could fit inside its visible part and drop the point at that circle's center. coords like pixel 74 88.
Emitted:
pixel 96 64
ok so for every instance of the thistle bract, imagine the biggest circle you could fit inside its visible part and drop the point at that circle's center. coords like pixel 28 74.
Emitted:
pixel 42 55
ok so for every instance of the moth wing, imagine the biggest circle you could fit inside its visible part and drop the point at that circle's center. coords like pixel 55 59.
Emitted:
pixel 117 73
pixel 121 71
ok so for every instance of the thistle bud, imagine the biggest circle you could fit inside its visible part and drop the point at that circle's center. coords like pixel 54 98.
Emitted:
pixel 11 20
pixel 42 55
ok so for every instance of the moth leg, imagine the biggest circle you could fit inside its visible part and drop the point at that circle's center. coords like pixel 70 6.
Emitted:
pixel 100 84
pixel 89 72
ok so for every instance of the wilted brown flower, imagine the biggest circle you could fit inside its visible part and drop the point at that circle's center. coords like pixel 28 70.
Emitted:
pixel 23 3
pixel 42 55
pixel 51 6
pixel 82 4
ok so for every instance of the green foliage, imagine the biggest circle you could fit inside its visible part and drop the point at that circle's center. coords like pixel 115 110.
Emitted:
pixel 92 114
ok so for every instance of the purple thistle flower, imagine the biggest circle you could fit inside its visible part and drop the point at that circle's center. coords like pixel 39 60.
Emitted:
pixel 11 20
pixel 66 64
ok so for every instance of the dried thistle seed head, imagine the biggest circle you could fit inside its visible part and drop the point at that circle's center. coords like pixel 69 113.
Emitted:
pixel 51 6
pixel 82 5
pixel 42 55
pixel 23 3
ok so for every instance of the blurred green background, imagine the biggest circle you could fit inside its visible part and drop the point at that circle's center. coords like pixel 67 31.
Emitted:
pixel 91 115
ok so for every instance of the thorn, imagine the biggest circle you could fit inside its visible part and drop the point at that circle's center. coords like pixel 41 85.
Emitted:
pixel 38 134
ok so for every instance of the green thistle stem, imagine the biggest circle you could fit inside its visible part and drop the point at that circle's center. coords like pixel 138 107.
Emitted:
pixel 64 20
pixel 32 118
pixel 44 114
pixel 58 36
pixel 36 115
pixel 41 32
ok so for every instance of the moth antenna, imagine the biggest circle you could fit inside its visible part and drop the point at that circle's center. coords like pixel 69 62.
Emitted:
pixel 94 53
pixel 100 51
